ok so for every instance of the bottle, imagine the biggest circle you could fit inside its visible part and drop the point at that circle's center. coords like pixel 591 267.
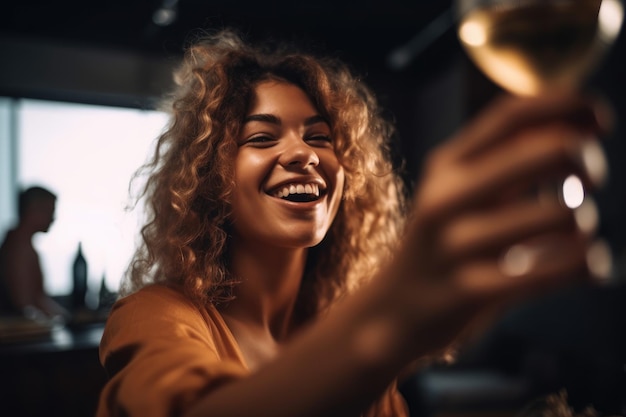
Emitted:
pixel 79 277
pixel 105 296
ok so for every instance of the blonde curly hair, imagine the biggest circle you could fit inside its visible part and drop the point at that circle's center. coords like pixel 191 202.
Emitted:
pixel 189 179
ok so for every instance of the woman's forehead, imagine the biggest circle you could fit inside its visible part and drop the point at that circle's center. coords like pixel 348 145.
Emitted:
pixel 273 97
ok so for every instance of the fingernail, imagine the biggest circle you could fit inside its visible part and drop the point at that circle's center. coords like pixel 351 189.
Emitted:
pixel 517 260
pixel 600 261
pixel 586 216
pixel 594 162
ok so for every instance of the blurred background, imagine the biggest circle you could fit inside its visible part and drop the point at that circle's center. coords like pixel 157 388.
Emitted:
pixel 79 81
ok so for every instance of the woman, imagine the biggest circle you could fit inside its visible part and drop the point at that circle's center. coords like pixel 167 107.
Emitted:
pixel 278 276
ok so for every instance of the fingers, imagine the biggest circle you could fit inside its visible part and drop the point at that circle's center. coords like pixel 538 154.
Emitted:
pixel 510 170
pixel 525 248
pixel 514 146
pixel 486 232
pixel 507 115
pixel 538 268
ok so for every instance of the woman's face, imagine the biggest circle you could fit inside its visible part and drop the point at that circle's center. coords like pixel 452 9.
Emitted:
pixel 288 180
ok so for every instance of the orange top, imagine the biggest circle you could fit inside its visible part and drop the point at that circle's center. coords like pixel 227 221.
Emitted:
pixel 162 352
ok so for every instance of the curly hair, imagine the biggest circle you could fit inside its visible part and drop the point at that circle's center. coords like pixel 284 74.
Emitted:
pixel 185 240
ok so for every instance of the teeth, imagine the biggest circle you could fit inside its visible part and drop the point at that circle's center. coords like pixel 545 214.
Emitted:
pixel 298 189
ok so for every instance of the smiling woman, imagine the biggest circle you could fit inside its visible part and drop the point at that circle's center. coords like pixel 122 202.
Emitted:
pixel 282 271
pixel 285 148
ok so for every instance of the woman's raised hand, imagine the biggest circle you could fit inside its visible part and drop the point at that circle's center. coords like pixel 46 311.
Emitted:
pixel 482 234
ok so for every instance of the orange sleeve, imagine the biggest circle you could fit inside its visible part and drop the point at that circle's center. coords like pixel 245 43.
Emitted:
pixel 162 353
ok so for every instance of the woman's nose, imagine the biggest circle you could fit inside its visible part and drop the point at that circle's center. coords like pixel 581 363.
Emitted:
pixel 299 154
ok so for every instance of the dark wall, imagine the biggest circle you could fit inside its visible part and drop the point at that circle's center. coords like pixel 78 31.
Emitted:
pixel 37 68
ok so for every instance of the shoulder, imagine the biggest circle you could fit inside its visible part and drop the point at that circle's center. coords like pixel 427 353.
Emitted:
pixel 161 351
pixel 160 311
pixel 161 318
pixel 155 303
pixel 155 294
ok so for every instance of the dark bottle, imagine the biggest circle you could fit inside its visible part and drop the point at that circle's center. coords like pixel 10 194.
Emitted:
pixel 105 297
pixel 79 277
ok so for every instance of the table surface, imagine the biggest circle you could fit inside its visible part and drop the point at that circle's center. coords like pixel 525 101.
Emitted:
pixel 60 339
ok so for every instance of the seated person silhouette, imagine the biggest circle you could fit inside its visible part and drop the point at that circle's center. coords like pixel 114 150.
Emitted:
pixel 21 277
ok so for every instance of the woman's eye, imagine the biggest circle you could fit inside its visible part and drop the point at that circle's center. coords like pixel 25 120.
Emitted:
pixel 320 140
pixel 261 140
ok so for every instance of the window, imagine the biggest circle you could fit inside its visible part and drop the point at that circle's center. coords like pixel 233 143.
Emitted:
pixel 86 155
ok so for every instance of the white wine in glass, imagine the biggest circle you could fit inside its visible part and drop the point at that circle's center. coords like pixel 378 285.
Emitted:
pixel 533 46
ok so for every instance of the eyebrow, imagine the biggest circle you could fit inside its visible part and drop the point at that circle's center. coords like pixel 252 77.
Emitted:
pixel 270 118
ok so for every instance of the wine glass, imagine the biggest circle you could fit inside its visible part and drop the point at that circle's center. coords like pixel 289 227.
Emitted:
pixel 536 46
pixel 532 47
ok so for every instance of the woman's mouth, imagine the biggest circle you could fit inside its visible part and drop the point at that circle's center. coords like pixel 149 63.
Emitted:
pixel 298 192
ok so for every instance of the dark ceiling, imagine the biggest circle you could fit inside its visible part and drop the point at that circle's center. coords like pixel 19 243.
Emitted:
pixel 364 32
